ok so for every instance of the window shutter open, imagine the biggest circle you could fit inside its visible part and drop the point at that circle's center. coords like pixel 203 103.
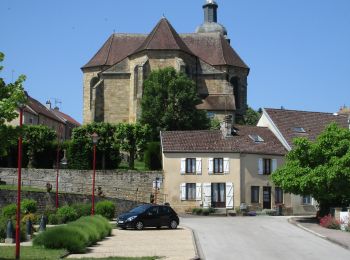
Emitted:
pixel 198 191
pixel 274 165
pixel 229 195
pixel 210 165
pixel 226 165
pixel 199 165
pixel 183 166
pixel 183 191
pixel 207 195
pixel 260 166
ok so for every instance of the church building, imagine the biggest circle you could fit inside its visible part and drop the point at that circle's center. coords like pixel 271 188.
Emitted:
pixel 113 78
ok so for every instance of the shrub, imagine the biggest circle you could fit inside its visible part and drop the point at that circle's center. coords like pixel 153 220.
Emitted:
pixel 329 222
pixel 75 236
pixel 32 217
pixel 72 239
pixel 66 214
pixel 54 219
pixel 9 211
pixel 211 210
pixel 106 209
pixel 82 209
pixel 270 212
pixel 197 211
pixel 152 156
pixel 28 206
pixel 205 212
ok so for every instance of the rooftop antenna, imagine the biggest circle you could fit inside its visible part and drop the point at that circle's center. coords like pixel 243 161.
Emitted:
pixel 58 102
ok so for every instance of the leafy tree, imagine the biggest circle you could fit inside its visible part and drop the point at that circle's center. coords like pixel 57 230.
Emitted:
pixel 169 103
pixel 9 137
pixel 37 138
pixel 132 138
pixel 251 117
pixel 320 168
pixel 80 149
pixel 10 96
pixel 153 156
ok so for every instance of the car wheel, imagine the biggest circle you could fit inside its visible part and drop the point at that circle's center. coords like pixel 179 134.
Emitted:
pixel 173 224
pixel 139 225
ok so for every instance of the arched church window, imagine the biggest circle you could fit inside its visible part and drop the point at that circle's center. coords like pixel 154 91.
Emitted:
pixel 236 91
pixel 93 82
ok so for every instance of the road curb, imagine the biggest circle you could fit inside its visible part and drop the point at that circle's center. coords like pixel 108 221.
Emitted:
pixel 197 246
pixel 292 221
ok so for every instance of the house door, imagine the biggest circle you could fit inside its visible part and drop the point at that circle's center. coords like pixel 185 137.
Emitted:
pixel 267 197
pixel 218 195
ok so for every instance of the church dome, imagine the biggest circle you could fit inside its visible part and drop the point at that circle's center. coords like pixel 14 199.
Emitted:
pixel 211 27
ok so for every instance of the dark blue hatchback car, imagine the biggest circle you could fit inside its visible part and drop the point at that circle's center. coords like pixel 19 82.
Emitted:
pixel 149 215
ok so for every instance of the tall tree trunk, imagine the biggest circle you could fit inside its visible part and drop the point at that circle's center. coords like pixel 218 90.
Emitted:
pixel 132 159
pixel 103 160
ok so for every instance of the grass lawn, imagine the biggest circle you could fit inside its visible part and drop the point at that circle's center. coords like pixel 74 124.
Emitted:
pixel 24 188
pixel 33 253
pixel 138 165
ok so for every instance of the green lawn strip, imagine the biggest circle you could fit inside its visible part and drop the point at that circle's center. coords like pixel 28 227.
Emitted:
pixel 123 258
pixel 36 253
pixel 24 188
pixel 32 253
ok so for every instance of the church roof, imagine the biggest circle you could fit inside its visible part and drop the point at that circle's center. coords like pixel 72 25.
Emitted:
pixel 163 37
pixel 213 48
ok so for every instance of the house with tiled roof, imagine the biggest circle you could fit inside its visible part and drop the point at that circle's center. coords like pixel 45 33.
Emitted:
pixel 290 124
pixel 223 168
pixel 36 113
pixel 114 76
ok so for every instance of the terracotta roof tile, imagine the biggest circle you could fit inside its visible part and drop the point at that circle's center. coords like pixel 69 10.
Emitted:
pixel 65 117
pixel 312 122
pixel 163 37
pixel 213 48
pixel 41 109
pixel 213 141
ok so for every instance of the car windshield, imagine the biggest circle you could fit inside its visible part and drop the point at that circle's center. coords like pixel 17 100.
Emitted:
pixel 140 209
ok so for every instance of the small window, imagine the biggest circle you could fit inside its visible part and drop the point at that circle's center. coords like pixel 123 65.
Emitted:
pixel 255 194
pixel 218 165
pixel 256 138
pixel 278 195
pixel 190 165
pixel 298 130
pixel 190 191
pixel 306 200
pixel 267 166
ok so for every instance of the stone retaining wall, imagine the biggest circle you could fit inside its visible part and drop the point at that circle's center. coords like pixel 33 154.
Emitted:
pixel 45 199
pixel 126 185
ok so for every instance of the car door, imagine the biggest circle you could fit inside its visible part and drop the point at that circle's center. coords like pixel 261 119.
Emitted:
pixel 151 217
pixel 164 215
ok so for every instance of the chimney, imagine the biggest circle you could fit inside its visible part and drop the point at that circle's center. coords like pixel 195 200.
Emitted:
pixel 210 11
pixel 226 126
pixel 48 105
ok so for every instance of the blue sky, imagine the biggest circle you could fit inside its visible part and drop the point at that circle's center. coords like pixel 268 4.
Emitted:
pixel 298 51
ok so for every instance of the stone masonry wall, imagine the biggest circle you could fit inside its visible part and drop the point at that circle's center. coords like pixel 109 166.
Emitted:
pixel 126 185
pixel 45 199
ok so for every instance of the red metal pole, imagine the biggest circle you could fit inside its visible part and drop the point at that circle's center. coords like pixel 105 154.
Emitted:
pixel 93 183
pixel 57 171
pixel 19 186
pixel 57 162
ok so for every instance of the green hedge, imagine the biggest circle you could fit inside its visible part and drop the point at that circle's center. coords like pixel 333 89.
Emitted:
pixel 106 209
pixel 28 206
pixel 82 209
pixel 75 236
pixel 153 156
pixel 66 214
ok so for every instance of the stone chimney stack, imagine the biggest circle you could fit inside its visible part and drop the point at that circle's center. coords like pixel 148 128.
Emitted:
pixel 48 105
pixel 226 126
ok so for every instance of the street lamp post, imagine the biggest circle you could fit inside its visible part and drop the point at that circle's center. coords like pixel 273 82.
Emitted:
pixel 94 138
pixel 59 132
pixel 19 165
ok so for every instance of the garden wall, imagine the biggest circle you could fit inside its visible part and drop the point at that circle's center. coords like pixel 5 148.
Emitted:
pixel 45 199
pixel 126 185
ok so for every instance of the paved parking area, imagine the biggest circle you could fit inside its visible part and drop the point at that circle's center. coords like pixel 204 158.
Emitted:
pixel 259 238
pixel 171 244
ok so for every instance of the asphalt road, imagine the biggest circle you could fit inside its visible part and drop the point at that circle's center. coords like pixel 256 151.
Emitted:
pixel 224 238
